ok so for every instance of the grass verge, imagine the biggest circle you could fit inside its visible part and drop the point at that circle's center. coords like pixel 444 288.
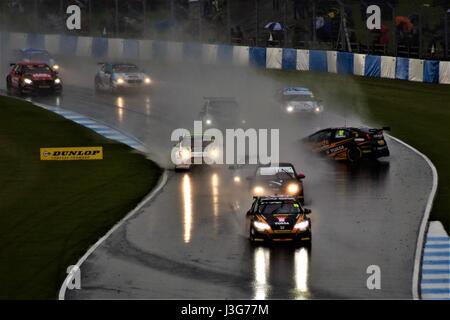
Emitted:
pixel 418 113
pixel 52 211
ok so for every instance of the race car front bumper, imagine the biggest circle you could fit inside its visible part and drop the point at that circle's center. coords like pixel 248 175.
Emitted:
pixel 42 87
pixel 288 236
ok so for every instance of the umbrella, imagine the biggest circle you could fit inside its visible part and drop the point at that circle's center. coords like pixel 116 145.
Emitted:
pixel 407 24
pixel 274 26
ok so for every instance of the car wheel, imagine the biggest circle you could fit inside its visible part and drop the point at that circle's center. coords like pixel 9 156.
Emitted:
pixel 251 236
pixel 354 154
pixel 97 85
pixel 8 85
pixel 19 90
pixel 112 90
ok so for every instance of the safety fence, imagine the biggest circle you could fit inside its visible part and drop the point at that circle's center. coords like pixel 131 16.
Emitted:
pixel 428 71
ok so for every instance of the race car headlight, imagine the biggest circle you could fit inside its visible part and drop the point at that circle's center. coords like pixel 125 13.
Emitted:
pixel 302 226
pixel 237 179
pixel 317 109
pixel 55 67
pixel 213 153
pixel 208 122
pixel 184 154
pixel 27 81
pixel 57 81
pixel 120 81
pixel 289 109
pixel 258 190
pixel 147 80
pixel 260 226
pixel 293 188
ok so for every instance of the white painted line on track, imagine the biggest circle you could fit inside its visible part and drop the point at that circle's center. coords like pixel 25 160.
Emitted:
pixel 424 222
pixel 69 278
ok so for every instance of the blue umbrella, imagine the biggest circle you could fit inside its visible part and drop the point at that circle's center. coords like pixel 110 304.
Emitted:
pixel 274 26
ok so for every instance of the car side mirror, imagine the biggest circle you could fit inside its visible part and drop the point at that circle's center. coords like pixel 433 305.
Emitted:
pixel 249 213
pixel 301 176
pixel 307 211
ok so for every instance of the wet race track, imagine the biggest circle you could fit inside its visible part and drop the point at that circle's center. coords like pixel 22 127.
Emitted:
pixel 190 240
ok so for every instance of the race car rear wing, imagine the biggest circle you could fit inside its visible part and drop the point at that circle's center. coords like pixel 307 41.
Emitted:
pixel 222 99
pixel 382 129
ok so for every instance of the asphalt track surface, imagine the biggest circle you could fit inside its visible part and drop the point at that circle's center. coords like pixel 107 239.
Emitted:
pixel 190 240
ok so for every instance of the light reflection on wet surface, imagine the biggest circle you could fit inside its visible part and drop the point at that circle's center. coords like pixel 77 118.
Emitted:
pixel 187 208
pixel 215 193
pixel 120 108
pixel 147 106
pixel 301 264
pixel 261 270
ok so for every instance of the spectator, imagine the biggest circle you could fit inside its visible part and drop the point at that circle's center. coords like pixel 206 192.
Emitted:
pixel 300 9
pixel 276 5
pixel 239 34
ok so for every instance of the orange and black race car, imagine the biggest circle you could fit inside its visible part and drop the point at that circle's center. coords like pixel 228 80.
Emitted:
pixel 274 218
pixel 349 144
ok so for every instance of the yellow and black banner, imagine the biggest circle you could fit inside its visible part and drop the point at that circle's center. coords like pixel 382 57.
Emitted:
pixel 74 153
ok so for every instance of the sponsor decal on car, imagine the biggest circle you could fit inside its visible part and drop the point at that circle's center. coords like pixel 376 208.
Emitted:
pixel 71 153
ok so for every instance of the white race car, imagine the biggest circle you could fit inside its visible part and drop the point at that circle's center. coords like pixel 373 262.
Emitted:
pixel 300 100
pixel 120 76
pixel 194 150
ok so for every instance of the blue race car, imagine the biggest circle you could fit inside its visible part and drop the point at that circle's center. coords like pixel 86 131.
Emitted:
pixel 36 55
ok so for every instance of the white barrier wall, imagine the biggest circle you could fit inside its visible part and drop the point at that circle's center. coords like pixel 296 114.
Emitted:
pixel 271 58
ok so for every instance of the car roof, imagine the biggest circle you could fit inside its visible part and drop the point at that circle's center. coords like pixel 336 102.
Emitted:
pixel 30 63
pixel 123 64
pixel 299 91
pixel 276 198
pixel 33 50
pixel 281 164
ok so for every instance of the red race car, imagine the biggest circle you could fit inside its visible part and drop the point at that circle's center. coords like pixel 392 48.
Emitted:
pixel 33 77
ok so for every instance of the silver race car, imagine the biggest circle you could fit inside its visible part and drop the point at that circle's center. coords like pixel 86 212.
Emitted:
pixel 115 77
pixel 299 100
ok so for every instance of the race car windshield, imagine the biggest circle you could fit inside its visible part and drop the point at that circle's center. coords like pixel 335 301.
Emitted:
pixel 280 207
pixel 125 68
pixel 200 141
pixel 273 171
pixel 37 69
pixel 37 56
pixel 225 108
pixel 298 98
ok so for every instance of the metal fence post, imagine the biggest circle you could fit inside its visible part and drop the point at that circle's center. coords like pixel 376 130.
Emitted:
pixel 116 17
pixel 314 23
pixel 446 33
pixel 285 44
pixel 229 21
pixel 257 22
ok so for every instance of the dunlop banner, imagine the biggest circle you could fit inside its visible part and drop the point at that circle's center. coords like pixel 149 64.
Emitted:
pixel 72 153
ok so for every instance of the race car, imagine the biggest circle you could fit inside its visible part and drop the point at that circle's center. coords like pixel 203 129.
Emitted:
pixel 280 179
pixel 275 218
pixel 185 155
pixel 33 54
pixel 33 78
pixel 113 77
pixel 349 144
pixel 220 113
pixel 300 100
